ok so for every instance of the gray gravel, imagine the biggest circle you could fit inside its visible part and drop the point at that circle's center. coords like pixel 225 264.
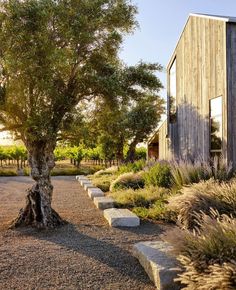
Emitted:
pixel 84 254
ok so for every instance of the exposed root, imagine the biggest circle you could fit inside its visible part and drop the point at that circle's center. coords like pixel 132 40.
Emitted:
pixel 24 219
pixel 37 213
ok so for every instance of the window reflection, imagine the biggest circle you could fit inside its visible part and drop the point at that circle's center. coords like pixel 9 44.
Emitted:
pixel 172 96
pixel 216 125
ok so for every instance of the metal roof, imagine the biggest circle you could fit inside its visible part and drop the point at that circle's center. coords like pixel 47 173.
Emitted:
pixel 216 17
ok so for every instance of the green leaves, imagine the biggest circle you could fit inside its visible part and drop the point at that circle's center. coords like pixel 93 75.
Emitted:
pixel 56 53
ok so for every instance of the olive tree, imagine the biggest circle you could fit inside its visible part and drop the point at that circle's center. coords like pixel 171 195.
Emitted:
pixel 54 54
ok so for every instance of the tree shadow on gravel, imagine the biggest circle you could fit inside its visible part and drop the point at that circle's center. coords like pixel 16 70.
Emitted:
pixel 104 252
pixel 19 179
pixel 149 228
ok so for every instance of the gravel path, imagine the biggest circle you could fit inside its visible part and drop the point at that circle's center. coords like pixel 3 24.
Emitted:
pixel 85 254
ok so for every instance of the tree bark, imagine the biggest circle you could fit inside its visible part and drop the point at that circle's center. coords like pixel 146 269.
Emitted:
pixel 38 211
pixel 120 154
pixel 131 152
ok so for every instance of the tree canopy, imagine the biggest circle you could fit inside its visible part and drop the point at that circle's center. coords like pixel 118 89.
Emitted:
pixel 55 53
pixel 128 121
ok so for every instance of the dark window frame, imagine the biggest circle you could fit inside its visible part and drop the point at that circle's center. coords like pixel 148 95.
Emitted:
pixel 172 104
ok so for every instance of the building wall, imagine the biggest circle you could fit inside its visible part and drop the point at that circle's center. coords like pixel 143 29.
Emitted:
pixel 164 148
pixel 201 75
pixel 231 78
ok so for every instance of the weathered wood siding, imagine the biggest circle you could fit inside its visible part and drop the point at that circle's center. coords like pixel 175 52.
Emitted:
pixel 231 78
pixel 201 75
pixel 164 147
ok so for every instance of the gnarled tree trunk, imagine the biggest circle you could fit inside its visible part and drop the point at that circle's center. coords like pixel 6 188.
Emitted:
pixel 38 211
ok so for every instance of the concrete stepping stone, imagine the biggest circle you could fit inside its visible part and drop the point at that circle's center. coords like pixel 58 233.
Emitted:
pixel 79 177
pixel 160 266
pixel 121 218
pixel 103 202
pixel 88 185
pixel 84 181
pixel 95 192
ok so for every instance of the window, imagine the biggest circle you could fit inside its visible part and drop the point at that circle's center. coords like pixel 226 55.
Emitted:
pixel 172 93
pixel 216 126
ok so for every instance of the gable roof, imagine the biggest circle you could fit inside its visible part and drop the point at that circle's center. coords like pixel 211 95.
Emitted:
pixel 209 16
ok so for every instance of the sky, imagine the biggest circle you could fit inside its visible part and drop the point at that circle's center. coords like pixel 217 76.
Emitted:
pixel 161 23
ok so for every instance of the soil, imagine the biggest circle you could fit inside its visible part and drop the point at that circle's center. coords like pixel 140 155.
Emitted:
pixel 84 254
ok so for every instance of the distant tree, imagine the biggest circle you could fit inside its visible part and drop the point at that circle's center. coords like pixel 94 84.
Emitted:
pixel 54 54
pixel 130 121
pixel 141 120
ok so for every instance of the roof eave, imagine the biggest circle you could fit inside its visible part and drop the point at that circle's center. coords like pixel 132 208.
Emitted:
pixel 215 17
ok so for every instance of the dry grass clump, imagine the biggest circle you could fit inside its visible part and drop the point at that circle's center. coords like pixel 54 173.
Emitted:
pixel 221 170
pixel 216 277
pixel 200 198
pixel 107 171
pixel 185 172
pixel 208 254
pixel 128 180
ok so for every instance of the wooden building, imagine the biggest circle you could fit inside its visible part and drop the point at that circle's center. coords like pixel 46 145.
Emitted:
pixel 201 80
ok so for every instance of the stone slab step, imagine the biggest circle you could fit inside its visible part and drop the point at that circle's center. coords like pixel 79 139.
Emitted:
pixel 86 186
pixel 103 202
pixel 95 192
pixel 160 266
pixel 84 181
pixel 121 217
pixel 78 177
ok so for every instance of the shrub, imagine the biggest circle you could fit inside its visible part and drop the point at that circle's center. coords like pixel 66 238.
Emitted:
pixel 132 167
pixel 88 169
pixel 208 255
pixel 160 211
pixel 141 153
pixel 143 197
pixel 158 175
pixel 66 171
pixel 157 211
pixel 103 181
pixel 8 172
pixel 202 197
pixel 26 171
pixel 75 153
pixel 60 153
pixel 146 203
pixel 128 180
